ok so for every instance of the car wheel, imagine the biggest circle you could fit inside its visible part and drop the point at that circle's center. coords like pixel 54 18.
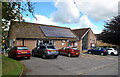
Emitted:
pixel 59 53
pixel 55 56
pixel 69 55
pixel 9 56
pixel 89 52
pixel 112 53
pixel 28 57
pixel 15 58
pixel 44 56
pixel 102 54
pixel 33 54
pixel 77 55
pixel 117 53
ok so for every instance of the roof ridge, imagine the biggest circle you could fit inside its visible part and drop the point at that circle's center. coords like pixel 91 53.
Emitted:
pixel 81 29
pixel 42 24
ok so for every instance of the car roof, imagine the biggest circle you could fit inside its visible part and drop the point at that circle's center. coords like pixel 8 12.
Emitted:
pixel 69 47
pixel 110 48
pixel 21 46
pixel 99 47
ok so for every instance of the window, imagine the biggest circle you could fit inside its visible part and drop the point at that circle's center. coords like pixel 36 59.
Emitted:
pixel 62 43
pixel 11 43
pixel 76 44
pixel 22 48
pixel 63 48
pixel 96 48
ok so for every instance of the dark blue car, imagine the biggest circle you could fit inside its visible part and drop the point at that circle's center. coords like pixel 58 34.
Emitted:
pixel 98 50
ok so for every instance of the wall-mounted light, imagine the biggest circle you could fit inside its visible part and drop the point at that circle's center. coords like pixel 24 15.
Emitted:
pixel 13 40
pixel 63 40
pixel 67 40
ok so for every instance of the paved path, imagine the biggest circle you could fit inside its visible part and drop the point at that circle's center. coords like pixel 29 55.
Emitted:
pixel 81 65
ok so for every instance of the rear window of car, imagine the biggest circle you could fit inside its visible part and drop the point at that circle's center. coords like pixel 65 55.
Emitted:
pixel 75 48
pixel 109 49
pixel 42 47
pixel 50 47
pixel 22 48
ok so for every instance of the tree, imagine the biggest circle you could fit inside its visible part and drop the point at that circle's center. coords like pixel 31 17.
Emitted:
pixel 111 33
pixel 12 11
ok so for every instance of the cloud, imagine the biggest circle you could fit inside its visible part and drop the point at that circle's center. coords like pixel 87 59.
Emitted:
pixel 85 22
pixel 69 12
pixel 66 12
pixel 43 20
pixel 98 9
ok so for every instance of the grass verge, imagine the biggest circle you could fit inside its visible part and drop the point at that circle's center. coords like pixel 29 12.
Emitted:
pixel 11 67
pixel 0 65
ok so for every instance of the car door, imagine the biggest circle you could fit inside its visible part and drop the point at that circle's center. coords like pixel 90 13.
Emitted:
pixel 13 51
pixel 35 50
pixel 96 51
pixel 100 50
pixel 93 50
pixel 42 50
pixel 62 50
pixel 67 50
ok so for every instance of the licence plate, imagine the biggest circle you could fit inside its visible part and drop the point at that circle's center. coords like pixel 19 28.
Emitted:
pixel 23 52
pixel 77 53
pixel 53 51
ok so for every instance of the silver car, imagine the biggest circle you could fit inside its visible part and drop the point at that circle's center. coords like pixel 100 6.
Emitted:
pixel 45 51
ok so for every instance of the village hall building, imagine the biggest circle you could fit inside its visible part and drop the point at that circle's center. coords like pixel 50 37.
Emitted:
pixel 32 35
pixel 87 38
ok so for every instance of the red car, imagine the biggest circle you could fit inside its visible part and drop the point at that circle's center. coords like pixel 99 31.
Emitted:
pixel 69 51
pixel 19 51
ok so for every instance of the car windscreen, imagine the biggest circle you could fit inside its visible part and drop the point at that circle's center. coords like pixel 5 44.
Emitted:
pixel 22 48
pixel 50 47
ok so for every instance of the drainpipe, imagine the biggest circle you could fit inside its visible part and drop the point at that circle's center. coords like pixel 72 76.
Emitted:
pixel 23 42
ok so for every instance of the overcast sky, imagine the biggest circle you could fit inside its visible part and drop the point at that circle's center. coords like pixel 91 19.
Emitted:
pixel 75 14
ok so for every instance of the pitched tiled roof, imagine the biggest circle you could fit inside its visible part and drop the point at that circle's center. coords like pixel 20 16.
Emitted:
pixel 80 32
pixel 32 30
pixel 26 30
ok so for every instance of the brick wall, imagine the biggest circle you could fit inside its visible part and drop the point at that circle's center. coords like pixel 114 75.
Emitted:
pixel 19 43
pixel 58 44
pixel 91 39
pixel 29 43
